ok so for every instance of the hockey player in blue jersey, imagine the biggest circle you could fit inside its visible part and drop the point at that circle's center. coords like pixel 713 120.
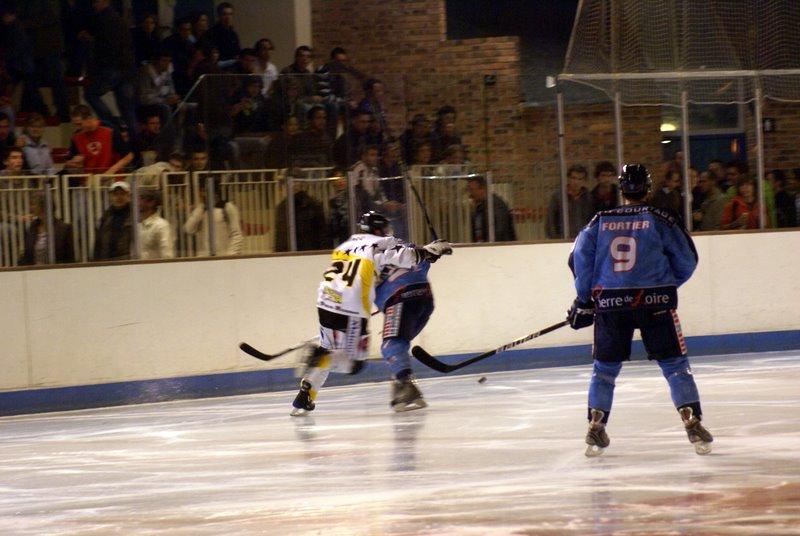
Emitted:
pixel 405 298
pixel 628 263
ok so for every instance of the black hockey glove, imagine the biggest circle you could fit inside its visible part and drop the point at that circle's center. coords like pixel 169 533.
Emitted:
pixel 581 314
pixel 431 252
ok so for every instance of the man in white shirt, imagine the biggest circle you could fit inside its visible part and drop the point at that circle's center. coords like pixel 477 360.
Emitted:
pixel 155 235
pixel 264 67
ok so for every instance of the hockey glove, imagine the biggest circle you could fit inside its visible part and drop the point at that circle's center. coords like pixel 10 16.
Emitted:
pixel 581 314
pixel 431 252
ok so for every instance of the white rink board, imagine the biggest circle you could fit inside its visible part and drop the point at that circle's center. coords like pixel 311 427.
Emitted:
pixel 79 326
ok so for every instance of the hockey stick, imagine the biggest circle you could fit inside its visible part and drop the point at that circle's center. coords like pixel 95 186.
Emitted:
pixel 246 348
pixel 428 360
pixel 424 210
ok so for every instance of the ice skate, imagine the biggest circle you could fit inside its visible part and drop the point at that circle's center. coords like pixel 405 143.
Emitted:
pixel 596 438
pixel 303 403
pixel 406 396
pixel 700 438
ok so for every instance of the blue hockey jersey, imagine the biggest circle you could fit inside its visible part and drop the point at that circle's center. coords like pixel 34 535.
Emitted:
pixel 630 257
pixel 397 284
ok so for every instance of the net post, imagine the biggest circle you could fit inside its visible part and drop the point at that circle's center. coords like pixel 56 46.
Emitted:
pixel 762 205
pixel 490 206
pixel 562 162
pixel 137 243
pixel 687 205
pixel 290 224
pixel 50 221
pixel 210 219
pixel 618 136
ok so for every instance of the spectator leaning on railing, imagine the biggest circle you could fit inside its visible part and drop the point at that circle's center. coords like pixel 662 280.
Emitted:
pixel 36 245
pixel 114 234
pixel 311 230
pixel 503 222
pixel 155 234
pixel 364 174
pixel 708 217
pixel 668 195
pixel 742 211
pixel 604 194
pixel 579 205
pixel 97 148
pixel 787 202
pixel 737 172
pixel 228 231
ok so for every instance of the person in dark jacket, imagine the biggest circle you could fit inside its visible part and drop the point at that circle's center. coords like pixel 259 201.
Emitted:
pixel 503 222
pixel 604 194
pixel 310 227
pixel 111 68
pixel 115 231
pixel 37 240
pixel 579 205
pixel 224 37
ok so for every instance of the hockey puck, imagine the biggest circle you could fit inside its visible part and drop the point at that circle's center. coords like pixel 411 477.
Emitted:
pixel 482 379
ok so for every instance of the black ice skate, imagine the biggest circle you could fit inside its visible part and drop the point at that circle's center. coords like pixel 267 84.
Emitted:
pixel 406 395
pixel 596 438
pixel 700 438
pixel 303 403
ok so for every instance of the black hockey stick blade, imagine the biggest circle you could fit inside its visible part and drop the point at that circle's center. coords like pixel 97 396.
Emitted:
pixel 246 348
pixel 429 361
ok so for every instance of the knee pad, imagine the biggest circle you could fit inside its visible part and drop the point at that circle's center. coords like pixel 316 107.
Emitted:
pixel 394 347
pixel 675 365
pixel 607 371
pixel 682 387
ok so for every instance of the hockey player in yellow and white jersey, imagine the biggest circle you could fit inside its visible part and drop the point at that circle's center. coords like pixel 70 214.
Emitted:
pixel 345 299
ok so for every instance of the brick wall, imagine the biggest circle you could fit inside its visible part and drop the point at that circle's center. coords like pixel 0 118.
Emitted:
pixel 403 42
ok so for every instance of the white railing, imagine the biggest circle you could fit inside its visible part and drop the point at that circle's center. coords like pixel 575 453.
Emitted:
pixel 265 211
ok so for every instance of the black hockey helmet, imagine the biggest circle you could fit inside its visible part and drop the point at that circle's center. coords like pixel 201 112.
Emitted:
pixel 634 181
pixel 372 221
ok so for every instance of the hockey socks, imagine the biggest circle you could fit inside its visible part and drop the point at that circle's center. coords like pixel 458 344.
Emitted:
pixel 682 387
pixel 395 352
pixel 601 388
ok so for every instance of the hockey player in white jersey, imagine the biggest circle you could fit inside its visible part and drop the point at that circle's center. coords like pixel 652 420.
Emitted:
pixel 345 298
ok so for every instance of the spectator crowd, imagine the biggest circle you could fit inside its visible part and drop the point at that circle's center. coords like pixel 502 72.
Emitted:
pixel 722 197
pixel 196 100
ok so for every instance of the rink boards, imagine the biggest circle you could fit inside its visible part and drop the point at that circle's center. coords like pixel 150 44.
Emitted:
pixel 91 336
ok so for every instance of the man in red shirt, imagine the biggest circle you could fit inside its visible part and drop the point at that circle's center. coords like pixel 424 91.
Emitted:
pixel 97 148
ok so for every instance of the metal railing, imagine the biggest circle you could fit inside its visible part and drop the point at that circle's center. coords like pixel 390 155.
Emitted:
pixel 253 213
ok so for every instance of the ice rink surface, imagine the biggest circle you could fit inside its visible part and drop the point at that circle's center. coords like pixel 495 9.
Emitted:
pixel 500 457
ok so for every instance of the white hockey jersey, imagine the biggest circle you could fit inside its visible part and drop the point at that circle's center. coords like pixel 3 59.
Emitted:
pixel 348 286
